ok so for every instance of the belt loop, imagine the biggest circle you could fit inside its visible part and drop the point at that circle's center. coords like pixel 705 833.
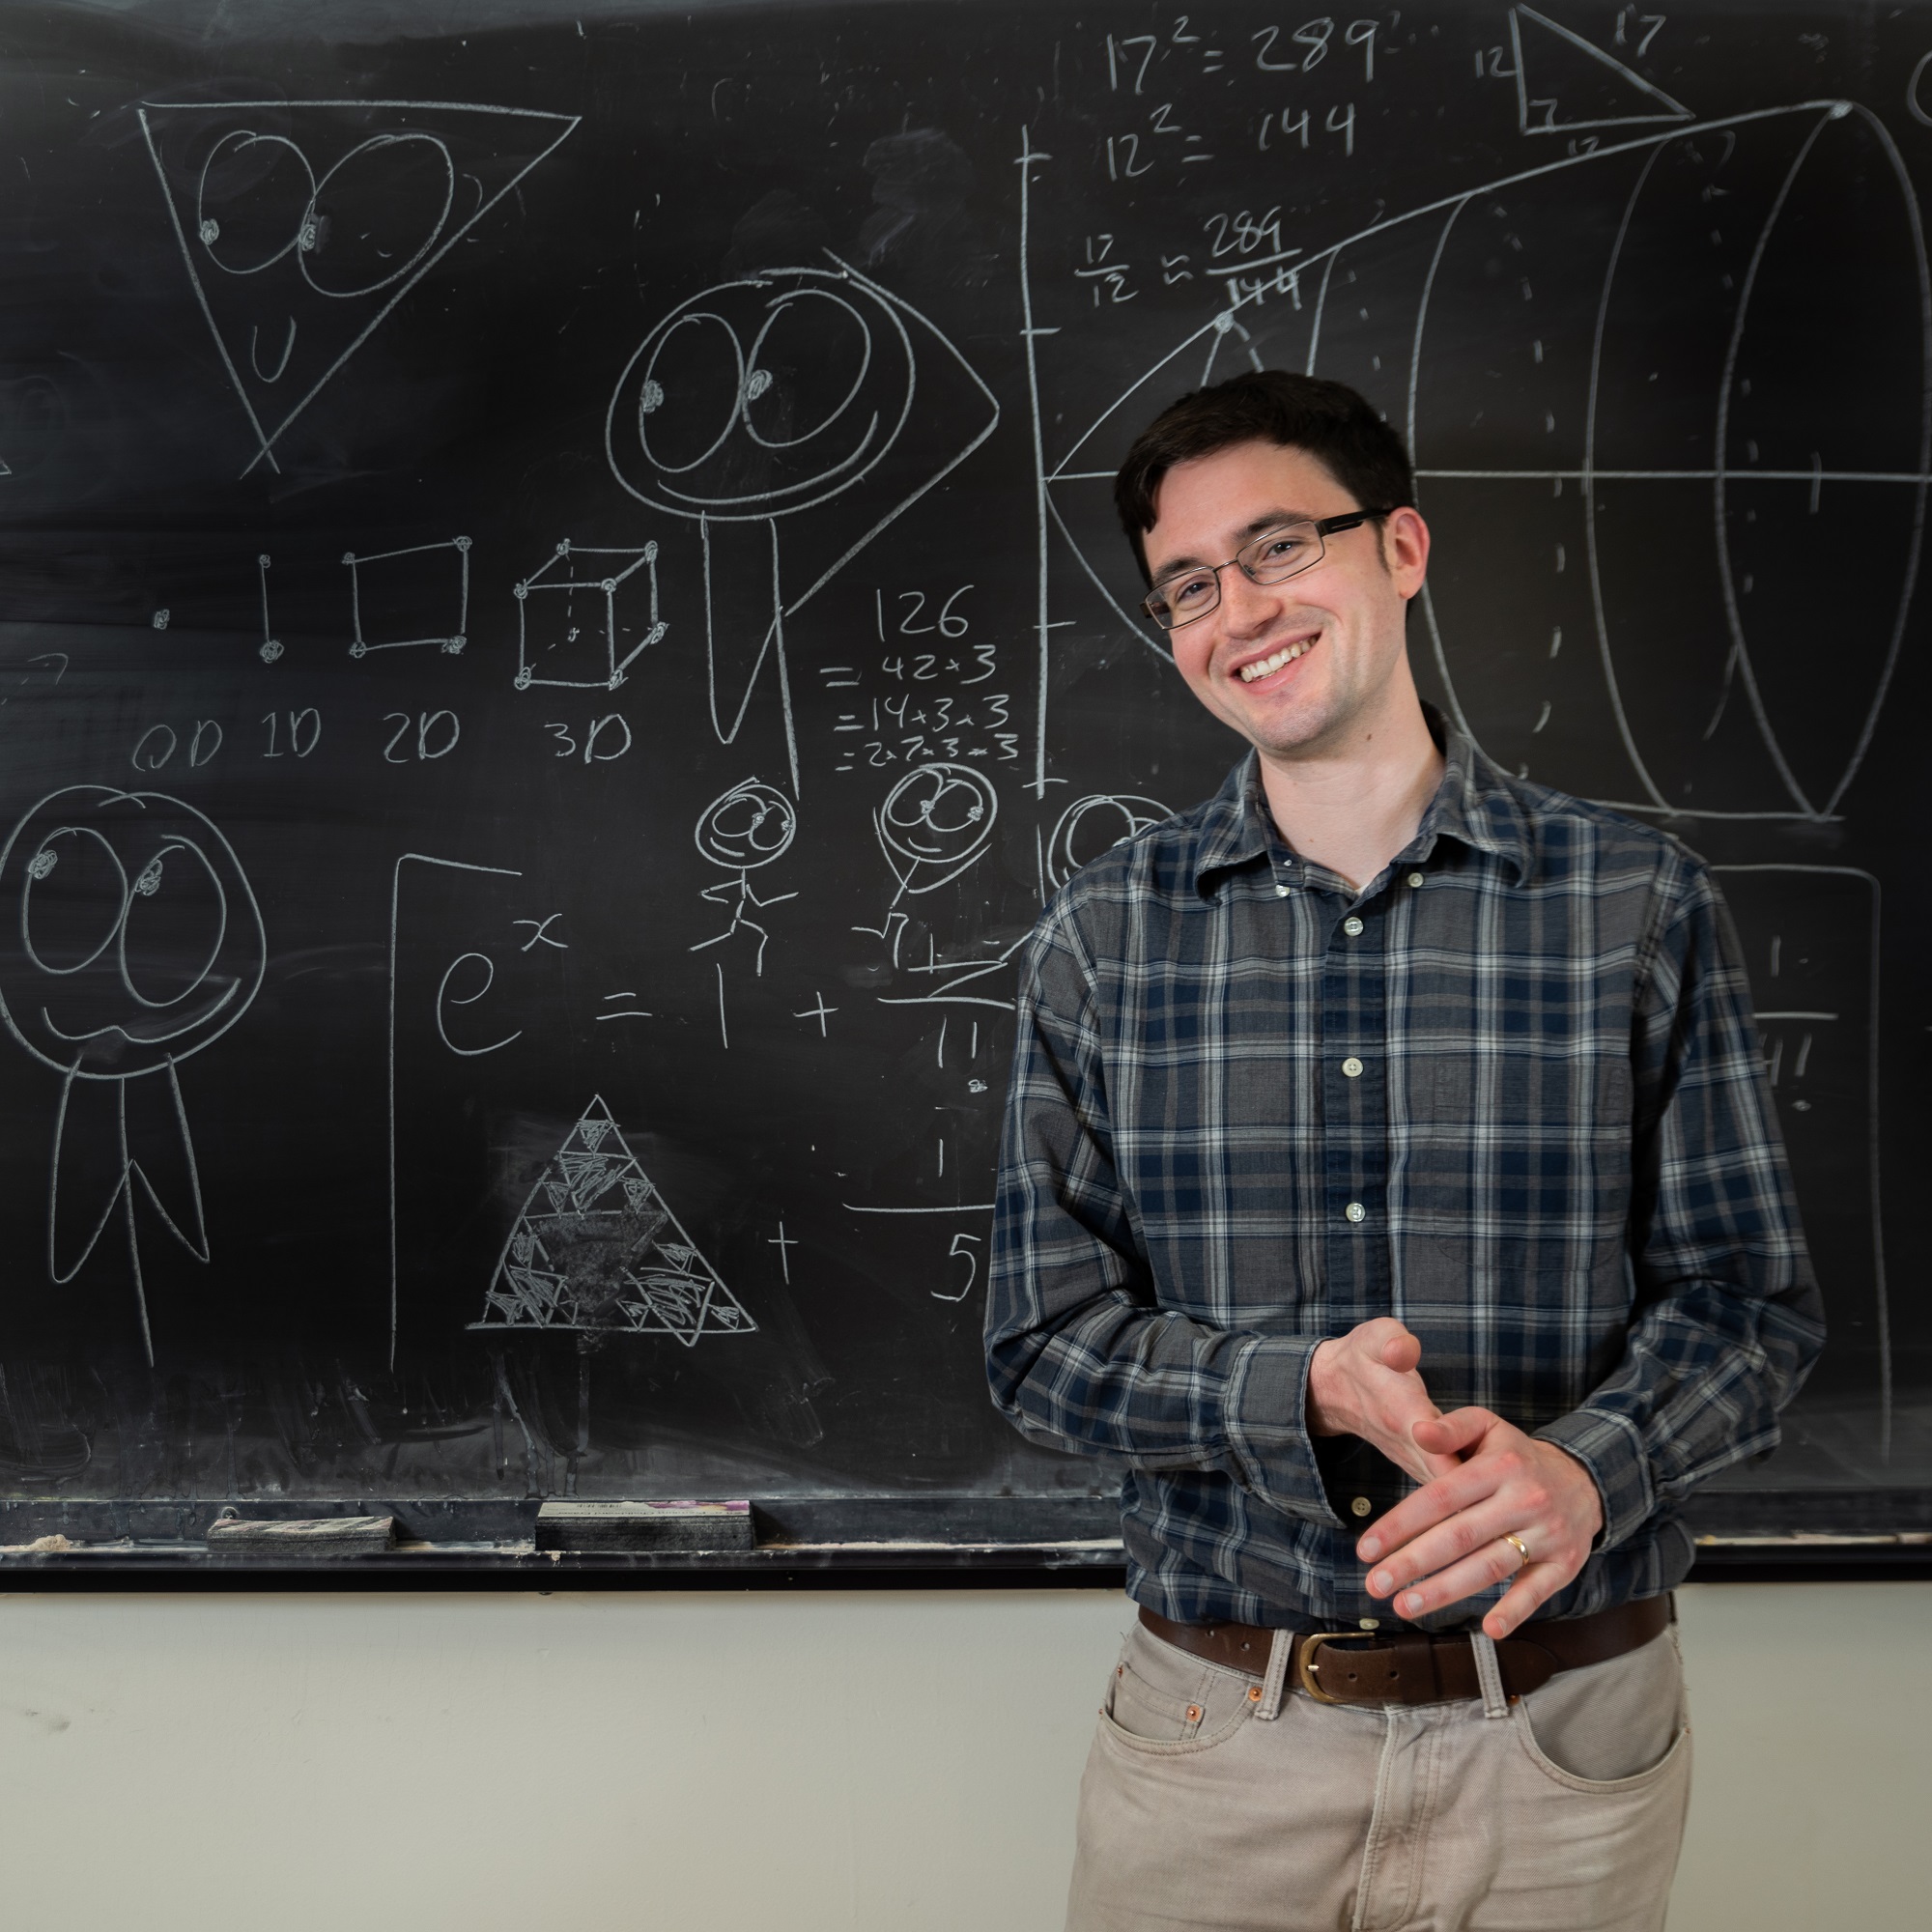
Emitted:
pixel 1488 1674
pixel 1281 1653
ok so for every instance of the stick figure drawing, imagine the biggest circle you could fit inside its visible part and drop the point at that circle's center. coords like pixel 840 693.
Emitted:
pixel 743 828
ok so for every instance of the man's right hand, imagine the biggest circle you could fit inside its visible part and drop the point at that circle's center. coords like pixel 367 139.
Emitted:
pixel 1366 1383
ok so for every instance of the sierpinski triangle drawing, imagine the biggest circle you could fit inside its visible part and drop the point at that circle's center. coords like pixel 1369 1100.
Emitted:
pixel 597 1248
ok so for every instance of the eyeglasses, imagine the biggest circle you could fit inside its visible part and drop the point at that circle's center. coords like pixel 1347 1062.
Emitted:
pixel 1283 552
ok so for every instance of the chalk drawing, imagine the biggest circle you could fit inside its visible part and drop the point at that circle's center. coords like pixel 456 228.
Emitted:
pixel 1090 826
pixel 570 632
pixel 598 1249
pixel 391 589
pixel 1725 722
pixel 782 392
pixel 934 823
pixel 303 223
pixel 137 943
pixel 742 829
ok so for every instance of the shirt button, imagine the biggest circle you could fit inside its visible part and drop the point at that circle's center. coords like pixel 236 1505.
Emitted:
pixel 1280 889
pixel 1361 1506
pixel 1355 1212
pixel 1352 927
pixel 1370 1623
pixel 1415 878
pixel 1351 1067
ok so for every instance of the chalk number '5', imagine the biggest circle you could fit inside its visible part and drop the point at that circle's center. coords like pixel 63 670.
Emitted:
pixel 971 1260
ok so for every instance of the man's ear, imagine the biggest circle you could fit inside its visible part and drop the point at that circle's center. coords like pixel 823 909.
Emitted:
pixel 1406 549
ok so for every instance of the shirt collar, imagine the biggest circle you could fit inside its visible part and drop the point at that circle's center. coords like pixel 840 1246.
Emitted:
pixel 1474 805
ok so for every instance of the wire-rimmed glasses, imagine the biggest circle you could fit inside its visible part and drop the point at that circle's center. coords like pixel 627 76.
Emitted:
pixel 1285 550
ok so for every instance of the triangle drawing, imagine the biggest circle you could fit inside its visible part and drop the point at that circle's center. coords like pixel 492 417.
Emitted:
pixel 597 1248
pixel 1565 84
pixel 303 223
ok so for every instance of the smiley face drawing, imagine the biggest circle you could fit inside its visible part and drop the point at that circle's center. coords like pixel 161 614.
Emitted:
pixel 137 943
pixel 807 398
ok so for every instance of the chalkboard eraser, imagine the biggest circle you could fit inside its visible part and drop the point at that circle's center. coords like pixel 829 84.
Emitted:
pixel 646 1527
pixel 302 1536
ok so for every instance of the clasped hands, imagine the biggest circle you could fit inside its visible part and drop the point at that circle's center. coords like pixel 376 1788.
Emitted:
pixel 1484 1481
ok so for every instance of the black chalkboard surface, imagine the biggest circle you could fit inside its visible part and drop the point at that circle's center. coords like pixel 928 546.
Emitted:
pixel 561 616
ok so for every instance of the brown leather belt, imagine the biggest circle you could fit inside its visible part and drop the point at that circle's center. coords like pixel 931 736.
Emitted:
pixel 1411 1667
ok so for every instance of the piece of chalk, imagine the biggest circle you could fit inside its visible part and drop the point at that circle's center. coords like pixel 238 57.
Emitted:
pixel 310 1535
pixel 41 1546
pixel 645 1526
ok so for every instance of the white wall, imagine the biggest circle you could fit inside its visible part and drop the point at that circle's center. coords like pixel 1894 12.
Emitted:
pixel 875 1762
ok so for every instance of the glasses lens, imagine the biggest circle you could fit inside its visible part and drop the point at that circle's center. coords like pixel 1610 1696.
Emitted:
pixel 1281 552
pixel 1179 599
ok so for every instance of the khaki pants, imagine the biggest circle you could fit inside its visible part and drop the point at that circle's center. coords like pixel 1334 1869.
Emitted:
pixel 1560 1812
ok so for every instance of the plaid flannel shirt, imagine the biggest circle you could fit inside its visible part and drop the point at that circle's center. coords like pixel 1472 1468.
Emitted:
pixel 1510 1093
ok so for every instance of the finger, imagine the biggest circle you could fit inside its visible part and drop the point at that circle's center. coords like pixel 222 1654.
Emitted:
pixel 1496 1562
pixel 1392 1406
pixel 1400 1351
pixel 1406 1410
pixel 1466 1533
pixel 1534 1587
pixel 1463 1485
pixel 1457 1432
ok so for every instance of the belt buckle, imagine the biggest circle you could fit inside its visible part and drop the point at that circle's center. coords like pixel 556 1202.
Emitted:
pixel 1304 1670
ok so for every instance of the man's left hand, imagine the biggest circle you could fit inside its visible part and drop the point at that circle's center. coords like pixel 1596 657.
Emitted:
pixel 1446 1542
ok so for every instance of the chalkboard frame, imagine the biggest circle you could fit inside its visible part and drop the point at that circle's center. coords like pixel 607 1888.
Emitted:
pixel 1814 1514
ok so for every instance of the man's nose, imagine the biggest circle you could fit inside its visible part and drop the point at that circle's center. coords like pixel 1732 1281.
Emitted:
pixel 1249 606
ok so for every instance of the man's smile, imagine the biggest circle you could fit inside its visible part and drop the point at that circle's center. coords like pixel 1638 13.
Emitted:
pixel 1258 670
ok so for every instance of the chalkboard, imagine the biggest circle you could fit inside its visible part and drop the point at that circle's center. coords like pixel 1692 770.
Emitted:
pixel 562 616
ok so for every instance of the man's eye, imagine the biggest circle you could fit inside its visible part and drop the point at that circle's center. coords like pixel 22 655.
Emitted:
pixel 1278 549
pixel 1187 590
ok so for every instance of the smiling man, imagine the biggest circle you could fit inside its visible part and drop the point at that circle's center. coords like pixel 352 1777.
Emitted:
pixel 1391 1182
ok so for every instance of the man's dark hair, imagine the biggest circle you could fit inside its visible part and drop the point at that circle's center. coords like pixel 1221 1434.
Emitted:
pixel 1329 420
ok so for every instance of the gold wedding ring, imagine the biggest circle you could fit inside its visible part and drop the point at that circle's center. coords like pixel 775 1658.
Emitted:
pixel 1517 1544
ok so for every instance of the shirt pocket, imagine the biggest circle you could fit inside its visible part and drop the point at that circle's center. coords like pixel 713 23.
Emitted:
pixel 1512 1207
pixel 1522 1149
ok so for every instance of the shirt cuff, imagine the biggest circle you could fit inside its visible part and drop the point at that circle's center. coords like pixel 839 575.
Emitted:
pixel 1268 1427
pixel 1608 1445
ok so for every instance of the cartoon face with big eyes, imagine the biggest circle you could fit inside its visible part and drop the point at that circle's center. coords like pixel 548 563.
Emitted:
pixel 750 825
pixel 934 823
pixel 138 940
pixel 761 396
pixel 138 943
pixel 1090 825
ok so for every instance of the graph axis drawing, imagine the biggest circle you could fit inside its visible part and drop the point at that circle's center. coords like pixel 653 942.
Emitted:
pixel 597 1249
pixel 606 581
pixel 1306 275
pixel 449 230
pixel 452 644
